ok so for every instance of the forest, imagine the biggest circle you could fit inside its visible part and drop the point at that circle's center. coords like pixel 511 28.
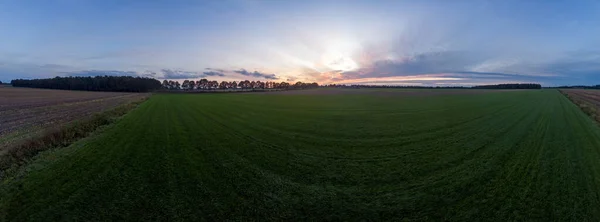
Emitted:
pixel 510 86
pixel 97 83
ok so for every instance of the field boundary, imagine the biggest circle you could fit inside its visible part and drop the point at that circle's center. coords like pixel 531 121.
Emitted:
pixel 21 153
pixel 589 109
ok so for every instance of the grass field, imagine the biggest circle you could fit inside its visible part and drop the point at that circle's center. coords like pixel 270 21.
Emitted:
pixel 517 155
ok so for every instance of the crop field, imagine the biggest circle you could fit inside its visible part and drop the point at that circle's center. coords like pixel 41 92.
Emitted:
pixel 325 154
pixel 24 112
pixel 587 99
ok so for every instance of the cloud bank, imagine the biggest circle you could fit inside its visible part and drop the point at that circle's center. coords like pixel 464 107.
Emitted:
pixel 256 74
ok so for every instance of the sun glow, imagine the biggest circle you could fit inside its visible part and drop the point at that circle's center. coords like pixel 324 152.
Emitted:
pixel 338 61
pixel 338 54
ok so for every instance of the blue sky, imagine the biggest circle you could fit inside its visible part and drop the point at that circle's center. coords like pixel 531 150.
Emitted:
pixel 366 42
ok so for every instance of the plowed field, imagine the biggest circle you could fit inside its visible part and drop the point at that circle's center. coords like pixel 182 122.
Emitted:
pixel 25 112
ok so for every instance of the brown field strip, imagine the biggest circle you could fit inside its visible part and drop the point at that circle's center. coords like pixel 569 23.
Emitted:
pixel 25 112
pixel 587 99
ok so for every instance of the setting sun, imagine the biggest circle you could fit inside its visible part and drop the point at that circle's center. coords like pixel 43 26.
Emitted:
pixel 337 61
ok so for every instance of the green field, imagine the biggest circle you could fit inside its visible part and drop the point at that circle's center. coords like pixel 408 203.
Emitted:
pixel 517 155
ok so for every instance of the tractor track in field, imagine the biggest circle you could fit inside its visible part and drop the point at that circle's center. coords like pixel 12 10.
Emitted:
pixel 401 140
pixel 407 134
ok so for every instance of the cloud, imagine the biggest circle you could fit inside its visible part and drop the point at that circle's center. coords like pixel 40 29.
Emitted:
pixel 423 63
pixel 148 74
pixel 468 66
pixel 163 73
pixel 180 74
pixel 217 70
pixel 214 72
pixel 256 74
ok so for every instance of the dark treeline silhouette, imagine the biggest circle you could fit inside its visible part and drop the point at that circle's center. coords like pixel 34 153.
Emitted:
pixel 98 83
pixel 578 87
pixel 510 86
pixel 204 84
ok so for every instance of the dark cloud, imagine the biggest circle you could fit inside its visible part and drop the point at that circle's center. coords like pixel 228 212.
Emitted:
pixel 164 73
pixel 426 63
pixel 102 73
pixel 256 74
pixel 214 72
pixel 148 74
pixel 180 74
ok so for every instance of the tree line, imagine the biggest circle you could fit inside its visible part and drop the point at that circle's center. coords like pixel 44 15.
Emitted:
pixel 143 84
pixel 510 86
pixel 97 83
pixel 205 84
pixel 579 87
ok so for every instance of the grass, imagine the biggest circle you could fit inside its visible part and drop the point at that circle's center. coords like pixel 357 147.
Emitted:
pixel 499 156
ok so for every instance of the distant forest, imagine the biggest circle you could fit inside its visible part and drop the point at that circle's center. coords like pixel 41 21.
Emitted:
pixel 579 87
pixel 98 83
pixel 510 86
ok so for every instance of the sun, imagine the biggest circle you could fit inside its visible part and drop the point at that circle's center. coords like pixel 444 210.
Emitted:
pixel 338 61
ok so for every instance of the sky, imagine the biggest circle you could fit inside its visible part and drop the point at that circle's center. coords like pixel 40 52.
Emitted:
pixel 378 42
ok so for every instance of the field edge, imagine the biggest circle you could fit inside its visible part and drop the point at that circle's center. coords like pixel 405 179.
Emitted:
pixel 21 154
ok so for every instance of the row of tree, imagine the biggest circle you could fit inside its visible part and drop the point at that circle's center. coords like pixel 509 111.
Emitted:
pixel 98 83
pixel 510 86
pixel 204 84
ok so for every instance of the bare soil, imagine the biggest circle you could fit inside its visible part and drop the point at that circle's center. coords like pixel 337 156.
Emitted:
pixel 591 96
pixel 25 112
pixel 587 99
